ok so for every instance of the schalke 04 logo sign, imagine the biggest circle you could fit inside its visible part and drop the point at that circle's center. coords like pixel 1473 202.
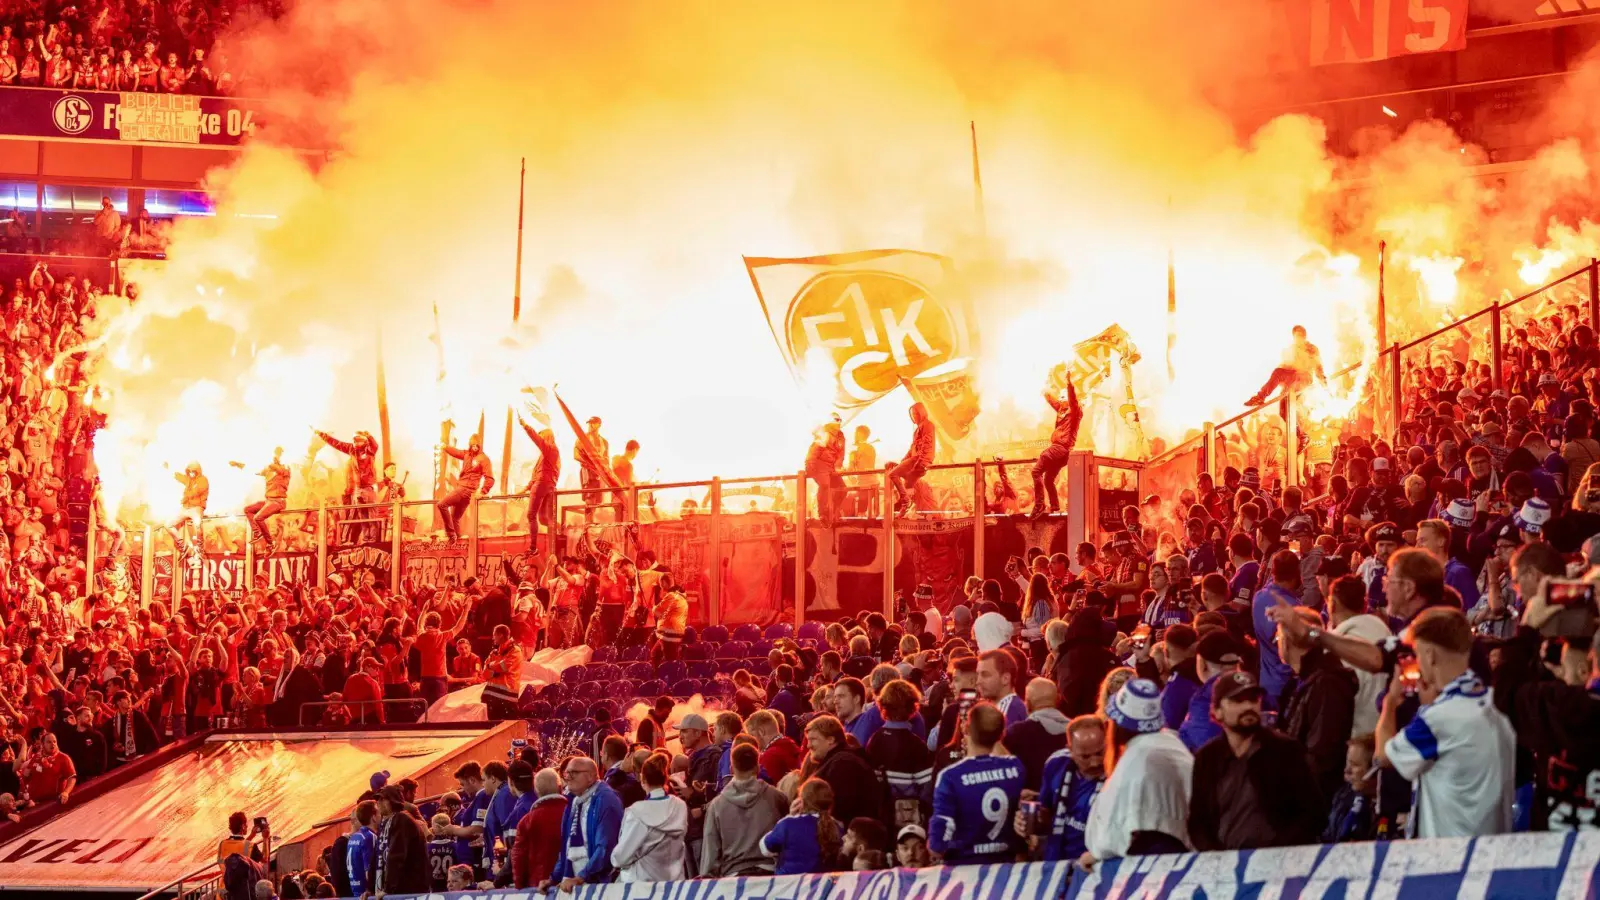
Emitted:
pixel 73 114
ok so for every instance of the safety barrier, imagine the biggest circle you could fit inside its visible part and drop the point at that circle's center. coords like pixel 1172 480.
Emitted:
pixel 697 529
pixel 1500 867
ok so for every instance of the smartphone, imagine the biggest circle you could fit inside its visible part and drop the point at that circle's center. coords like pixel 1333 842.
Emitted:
pixel 1571 593
pixel 1141 636
pixel 1408 676
pixel 261 823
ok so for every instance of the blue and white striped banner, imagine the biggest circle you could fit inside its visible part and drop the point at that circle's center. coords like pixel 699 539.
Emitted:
pixel 1503 867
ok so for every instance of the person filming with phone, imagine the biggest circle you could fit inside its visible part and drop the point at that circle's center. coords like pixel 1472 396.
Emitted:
pixel 1558 722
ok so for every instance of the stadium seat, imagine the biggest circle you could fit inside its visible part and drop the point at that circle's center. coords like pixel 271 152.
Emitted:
pixel 573 675
pixel 715 633
pixel 733 650
pixel 604 655
pixel 760 648
pixel 778 630
pixel 538 709
pixel 809 643
pixel 703 669
pixel 747 633
pixel 639 671
pixel 672 671
pixel 759 665
pixel 691 635
pixel 553 693
pixel 604 672
pixel 572 710
pixel 716 689
pixel 609 705
pixel 729 666
pixel 633 653
pixel 590 691
pixel 549 729
pixel 813 630
pixel 622 687
pixel 684 688
pixel 696 651
pixel 652 689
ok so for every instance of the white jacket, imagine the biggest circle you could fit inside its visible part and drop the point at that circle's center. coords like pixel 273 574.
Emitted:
pixel 1147 791
pixel 650 844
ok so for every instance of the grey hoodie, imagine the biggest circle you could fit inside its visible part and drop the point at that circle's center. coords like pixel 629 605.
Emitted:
pixel 735 823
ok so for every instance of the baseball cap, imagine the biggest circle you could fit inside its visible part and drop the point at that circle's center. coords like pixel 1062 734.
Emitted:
pixel 1137 707
pixel 1122 539
pixel 693 721
pixel 1234 685
pixel 1467 394
pixel 911 831
pixel 1298 525
pixel 1548 378
pixel 1218 647
pixel 379 780
pixel 1490 428
pixel 1500 395
pixel 1508 532
pixel 1380 464
pixel 1385 531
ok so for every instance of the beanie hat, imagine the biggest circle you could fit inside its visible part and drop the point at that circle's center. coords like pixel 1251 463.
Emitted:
pixel 1533 515
pixel 1460 513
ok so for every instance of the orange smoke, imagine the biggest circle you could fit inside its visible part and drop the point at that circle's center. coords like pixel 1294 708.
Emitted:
pixel 664 141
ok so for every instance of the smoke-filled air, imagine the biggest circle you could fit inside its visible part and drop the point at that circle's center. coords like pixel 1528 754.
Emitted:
pixel 666 140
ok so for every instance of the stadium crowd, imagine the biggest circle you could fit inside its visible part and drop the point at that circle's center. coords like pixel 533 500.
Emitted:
pixel 121 45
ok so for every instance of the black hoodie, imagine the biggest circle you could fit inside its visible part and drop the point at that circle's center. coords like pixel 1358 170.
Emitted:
pixel 1082 664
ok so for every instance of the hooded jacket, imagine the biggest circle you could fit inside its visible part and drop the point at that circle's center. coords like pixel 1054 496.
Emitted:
pixel 735 821
pixel 856 789
pixel 650 845
pixel 1034 739
pixel 1082 664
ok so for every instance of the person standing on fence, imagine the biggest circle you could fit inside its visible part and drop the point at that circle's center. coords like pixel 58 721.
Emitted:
pixel 260 513
pixel 1302 363
pixel 822 466
pixel 196 491
pixel 361 473
pixel 542 487
pixel 914 465
pixel 1069 415
pixel 593 453
pixel 475 480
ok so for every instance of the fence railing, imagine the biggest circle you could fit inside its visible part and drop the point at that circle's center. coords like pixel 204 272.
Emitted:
pixel 975 491
pixel 1387 388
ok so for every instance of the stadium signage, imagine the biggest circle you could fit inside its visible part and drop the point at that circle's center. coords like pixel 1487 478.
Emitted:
pixel 127 117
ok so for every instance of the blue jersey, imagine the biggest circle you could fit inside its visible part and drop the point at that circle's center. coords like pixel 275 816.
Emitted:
pixel 441 856
pixel 358 855
pixel 1068 795
pixel 973 803
pixel 494 820
pixel 1013 708
pixel 1274 672
pixel 473 812
pixel 794 842
pixel 1243 585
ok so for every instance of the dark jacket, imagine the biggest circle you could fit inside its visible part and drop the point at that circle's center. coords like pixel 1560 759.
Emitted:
pixel 403 868
pixel 1034 739
pixel 626 786
pixel 303 687
pixel 1558 723
pixel 856 791
pixel 337 859
pixel 702 768
pixel 1082 664
pixel 1318 711
pixel 144 736
pixel 1285 796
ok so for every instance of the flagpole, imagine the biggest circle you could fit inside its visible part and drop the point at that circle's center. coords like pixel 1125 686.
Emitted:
pixel 1172 294
pixel 383 402
pixel 516 315
pixel 977 184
